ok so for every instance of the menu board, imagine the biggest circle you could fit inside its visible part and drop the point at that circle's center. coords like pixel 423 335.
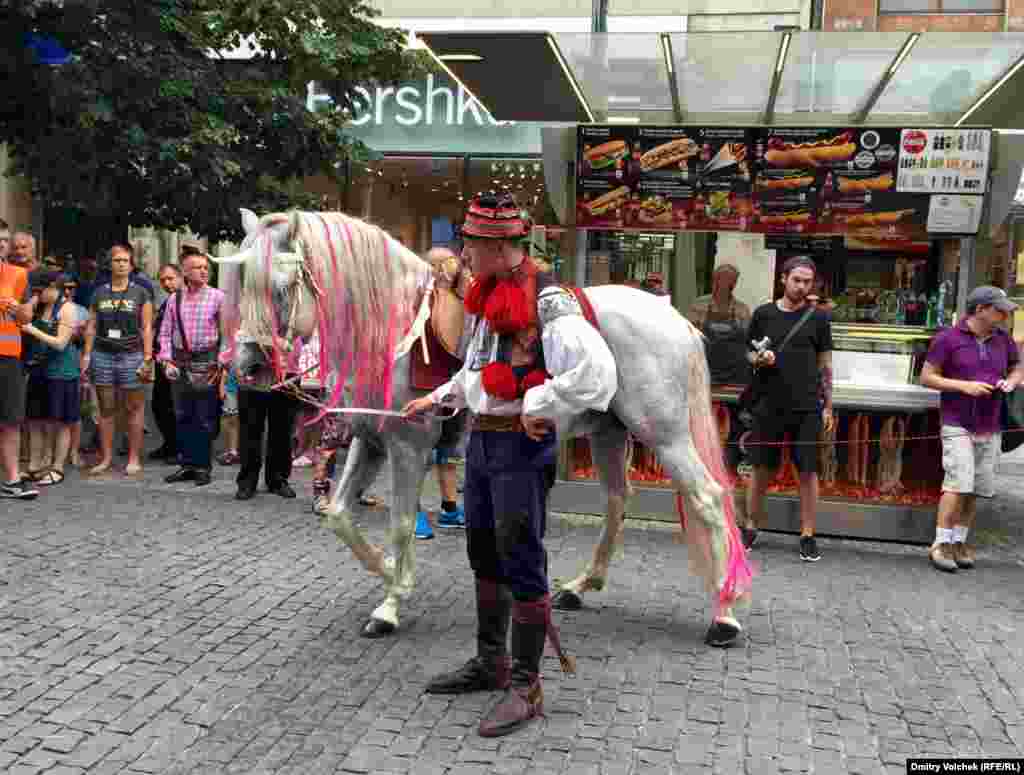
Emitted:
pixel 954 214
pixel 946 161
pixel 784 181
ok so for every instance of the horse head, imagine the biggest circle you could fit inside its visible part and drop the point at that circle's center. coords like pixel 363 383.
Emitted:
pixel 276 307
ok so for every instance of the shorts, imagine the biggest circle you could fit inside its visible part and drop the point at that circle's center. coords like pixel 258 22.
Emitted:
pixel 969 461
pixel 110 369
pixel 12 391
pixel 65 400
pixel 37 402
pixel 804 428
pixel 448 444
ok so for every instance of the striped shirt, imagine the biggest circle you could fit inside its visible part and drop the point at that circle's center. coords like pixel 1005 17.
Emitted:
pixel 200 315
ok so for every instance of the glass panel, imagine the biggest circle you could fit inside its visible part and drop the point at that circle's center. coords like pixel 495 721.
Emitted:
pixel 831 73
pixel 726 71
pixel 908 6
pixel 523 178
pixel 622 71
pixel 973 6
pixel 945 74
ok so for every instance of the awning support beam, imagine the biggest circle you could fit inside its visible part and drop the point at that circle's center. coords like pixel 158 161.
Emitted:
pixel 861 114
pixel 673 82
pixel 780 66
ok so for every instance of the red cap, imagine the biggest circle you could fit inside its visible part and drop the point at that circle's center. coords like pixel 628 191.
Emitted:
pixel 495 216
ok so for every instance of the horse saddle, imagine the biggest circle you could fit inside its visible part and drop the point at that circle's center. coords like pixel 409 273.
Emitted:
pixel 441 338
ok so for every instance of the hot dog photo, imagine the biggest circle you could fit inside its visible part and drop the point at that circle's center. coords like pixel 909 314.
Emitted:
pixel 783 153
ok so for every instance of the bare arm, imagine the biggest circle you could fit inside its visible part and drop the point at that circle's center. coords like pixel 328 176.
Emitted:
pixel 147 331
pixel 932 378
pixel 90 334
pixel 65 328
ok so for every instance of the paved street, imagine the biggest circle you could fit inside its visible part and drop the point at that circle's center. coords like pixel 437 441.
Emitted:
pixel 148 628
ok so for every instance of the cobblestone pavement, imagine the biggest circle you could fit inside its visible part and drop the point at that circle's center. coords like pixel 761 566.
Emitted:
pixel 148 628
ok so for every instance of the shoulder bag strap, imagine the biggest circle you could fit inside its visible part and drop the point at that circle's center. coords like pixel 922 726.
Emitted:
pixel 797 327
pixel 181 325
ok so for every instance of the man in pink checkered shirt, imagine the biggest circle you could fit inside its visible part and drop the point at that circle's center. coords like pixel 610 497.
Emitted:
pixel 194 368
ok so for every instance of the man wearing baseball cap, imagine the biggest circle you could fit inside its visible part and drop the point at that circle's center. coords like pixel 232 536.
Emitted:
pixel 972 365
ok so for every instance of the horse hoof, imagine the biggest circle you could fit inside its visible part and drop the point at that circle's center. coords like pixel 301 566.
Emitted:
pixel 567 601
pixel 722 635
pixel 377 628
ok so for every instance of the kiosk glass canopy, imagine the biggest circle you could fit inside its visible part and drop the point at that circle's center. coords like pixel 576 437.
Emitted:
pixel 784 78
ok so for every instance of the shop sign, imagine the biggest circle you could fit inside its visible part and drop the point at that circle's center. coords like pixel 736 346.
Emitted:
pixel 432 115
pixel 946 161
pixel 790 181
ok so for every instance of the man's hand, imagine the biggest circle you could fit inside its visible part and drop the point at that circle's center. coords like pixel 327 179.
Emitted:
pixel 766 358
pixel 216 377
pixel 8 305
pixel 537 427
pixel 171 371
pixel 417 406
pixel 976 389
pixel 828 418
pixel 145 371
pixel 1006 385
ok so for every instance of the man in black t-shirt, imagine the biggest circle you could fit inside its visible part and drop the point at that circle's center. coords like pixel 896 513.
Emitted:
pixel 793 390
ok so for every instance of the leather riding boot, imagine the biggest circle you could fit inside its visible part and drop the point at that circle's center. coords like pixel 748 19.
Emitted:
pixel 491 667
pixel 524 700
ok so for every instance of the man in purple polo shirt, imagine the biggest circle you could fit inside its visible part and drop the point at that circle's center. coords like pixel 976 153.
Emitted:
pixel 971 365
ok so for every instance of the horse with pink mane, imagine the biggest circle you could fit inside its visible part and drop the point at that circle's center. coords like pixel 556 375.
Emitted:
pixel 368 298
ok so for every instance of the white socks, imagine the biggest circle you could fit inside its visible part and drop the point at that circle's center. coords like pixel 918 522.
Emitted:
pixel 951 535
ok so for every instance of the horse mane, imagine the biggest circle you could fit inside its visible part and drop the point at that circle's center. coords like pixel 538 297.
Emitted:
pixel 369 289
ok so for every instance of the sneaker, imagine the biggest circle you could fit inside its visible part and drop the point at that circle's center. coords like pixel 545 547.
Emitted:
pixel 943 557
pixel 749 537
pixel 964 555
pixel 424 531
pixel 302 461
pixel 19 490
pixel 809 549
pixel 452 519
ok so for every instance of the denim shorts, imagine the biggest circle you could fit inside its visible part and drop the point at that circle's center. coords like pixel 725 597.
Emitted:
pixel 116 369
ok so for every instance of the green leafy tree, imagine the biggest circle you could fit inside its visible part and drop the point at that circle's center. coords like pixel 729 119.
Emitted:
pixel 148 123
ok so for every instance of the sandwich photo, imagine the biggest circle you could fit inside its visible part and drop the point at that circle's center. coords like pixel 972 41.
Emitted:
pixel 863 185
pixel 604 156
pixel 607 202
pixel 655 209
pixel 788 180
pixel 814 154
pixel 668 153
pixel 875 219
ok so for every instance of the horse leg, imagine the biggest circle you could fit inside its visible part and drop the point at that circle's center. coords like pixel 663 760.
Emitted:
pixel 609 450
pixel 407 475
pixel 361 467
pixel 707 529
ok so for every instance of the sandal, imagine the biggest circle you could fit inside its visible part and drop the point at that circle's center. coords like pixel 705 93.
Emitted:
pixel 47 478
pixel 371 500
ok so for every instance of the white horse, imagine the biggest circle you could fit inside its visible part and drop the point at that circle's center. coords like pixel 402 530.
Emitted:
pixel 368 297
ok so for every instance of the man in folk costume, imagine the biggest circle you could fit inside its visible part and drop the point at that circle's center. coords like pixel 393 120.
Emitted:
pixel 534 362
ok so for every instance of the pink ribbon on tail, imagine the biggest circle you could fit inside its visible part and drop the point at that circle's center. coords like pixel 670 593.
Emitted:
pixel 539 612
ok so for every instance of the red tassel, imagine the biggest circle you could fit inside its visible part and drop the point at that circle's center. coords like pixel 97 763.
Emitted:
pixel 500 381
pixel 476 296
pixel 507 309
pixel 535 378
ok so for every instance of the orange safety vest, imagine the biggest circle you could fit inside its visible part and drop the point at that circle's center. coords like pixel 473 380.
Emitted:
pixel 13 282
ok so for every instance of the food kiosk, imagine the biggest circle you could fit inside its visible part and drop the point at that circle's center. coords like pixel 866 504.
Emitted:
pixel 890 211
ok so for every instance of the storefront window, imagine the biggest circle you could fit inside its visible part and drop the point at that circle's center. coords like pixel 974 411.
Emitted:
pixel 940 6
pixel 629 258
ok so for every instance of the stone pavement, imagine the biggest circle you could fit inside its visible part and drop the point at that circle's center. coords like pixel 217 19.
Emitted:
pixel 147 628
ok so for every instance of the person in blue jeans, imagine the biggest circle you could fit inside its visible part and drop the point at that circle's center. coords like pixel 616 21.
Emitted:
pixel 451 514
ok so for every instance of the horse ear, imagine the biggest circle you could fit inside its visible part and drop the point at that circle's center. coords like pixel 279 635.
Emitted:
pixel 250 221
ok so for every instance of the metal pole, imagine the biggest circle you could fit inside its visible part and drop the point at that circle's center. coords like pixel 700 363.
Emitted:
pixel 580 260
pixel 599 16
pixel 968 264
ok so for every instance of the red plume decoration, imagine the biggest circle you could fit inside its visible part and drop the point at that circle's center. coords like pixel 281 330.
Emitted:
pixel 476 296
pixel 508 309
pixel 535 378
pixel 500 381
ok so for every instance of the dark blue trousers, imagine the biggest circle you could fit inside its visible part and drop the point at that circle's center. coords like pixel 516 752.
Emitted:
pixel 508 477
pixel 197 412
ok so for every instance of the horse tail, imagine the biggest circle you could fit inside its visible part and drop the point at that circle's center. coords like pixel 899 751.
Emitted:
pixel 726 544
